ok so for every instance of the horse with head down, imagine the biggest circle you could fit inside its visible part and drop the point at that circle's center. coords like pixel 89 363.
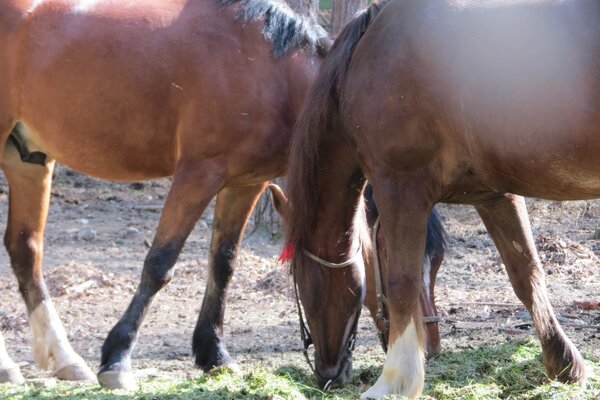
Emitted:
pixel 333 351
pixel 444 101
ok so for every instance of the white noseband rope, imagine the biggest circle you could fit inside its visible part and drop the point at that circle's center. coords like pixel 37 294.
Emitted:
pixel 328 264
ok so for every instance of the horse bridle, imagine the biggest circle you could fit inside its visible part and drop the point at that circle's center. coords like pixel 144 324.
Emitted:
pixel 305 336
pixel 382 302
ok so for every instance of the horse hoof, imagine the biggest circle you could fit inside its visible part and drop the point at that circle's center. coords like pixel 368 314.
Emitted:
pixel 11 375
pixel 117 380
pixel 75 372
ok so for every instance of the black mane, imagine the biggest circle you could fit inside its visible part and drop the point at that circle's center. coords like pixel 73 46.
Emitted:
pixel 282 26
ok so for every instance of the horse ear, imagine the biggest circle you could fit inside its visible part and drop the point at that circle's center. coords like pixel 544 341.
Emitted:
pixel 280 202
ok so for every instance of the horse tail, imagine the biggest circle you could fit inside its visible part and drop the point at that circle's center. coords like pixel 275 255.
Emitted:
pixel 436 242
pixel 319 121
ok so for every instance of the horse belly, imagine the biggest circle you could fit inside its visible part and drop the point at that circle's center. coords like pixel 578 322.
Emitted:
pixel 522 102
pixel 97 94
pixel 102 154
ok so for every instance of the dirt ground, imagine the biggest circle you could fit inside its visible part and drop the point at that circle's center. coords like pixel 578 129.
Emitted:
pixel 97 236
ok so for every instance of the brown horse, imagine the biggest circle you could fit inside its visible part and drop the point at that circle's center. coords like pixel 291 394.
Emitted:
pixel 375 274
pixel 205 91
pixel 446 101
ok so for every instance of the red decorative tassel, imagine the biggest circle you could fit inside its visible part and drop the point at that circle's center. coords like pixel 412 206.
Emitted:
pixel 287 253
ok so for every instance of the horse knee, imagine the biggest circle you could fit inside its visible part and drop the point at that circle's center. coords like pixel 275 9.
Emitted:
pixel 158 266
pixel 404 289
pixel 25 250
pixel 223 261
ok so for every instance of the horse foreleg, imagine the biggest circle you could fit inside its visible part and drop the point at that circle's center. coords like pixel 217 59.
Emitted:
pixel 29 195
pixel 194 185
pixel 232 211
pixel 405 229
pixel 505 218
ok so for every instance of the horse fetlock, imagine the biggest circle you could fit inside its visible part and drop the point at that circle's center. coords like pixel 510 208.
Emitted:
pixel 404 369
pixel 62 360
pixel 51 348
pixel 41 353
pixel 209 349
pixel 9 371
pixel 564 363
pixel 11 374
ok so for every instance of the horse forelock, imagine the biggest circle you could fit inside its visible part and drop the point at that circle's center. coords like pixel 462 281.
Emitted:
pixel 283 27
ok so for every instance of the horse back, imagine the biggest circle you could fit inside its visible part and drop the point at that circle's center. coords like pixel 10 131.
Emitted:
pixel 493 97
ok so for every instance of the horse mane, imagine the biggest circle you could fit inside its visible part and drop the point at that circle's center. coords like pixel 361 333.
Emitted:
pixel 283 27
pixel 317 122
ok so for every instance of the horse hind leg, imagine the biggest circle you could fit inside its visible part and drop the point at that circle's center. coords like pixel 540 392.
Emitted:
pixel 505 218
pixel 29 195
pixel 194 185
pixel 232 211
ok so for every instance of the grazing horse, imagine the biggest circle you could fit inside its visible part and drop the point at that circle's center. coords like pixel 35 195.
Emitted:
pixel 204 90
pixel 458 101
pixel 375 275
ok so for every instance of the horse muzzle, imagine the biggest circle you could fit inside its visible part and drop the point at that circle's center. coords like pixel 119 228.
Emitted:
pixel 329 377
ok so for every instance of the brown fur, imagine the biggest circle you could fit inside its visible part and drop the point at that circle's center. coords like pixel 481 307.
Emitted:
pixel 463 102
pixel 148 89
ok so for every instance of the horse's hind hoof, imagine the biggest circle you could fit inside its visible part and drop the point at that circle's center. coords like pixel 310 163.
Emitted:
pixel 11 375
pixel 75 372
pixel 117 380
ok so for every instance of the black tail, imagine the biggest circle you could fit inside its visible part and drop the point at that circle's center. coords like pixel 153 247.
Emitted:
pixel 436 242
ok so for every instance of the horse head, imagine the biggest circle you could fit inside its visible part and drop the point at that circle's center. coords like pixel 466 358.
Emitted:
pixel 331 296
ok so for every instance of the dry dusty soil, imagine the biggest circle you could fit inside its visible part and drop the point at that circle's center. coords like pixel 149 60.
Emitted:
pixel 95 246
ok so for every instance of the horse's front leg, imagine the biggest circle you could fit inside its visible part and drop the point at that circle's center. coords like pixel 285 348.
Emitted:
pixel 232 211
pixel 404 221
pixel 194 185
pixel 29 195
pixel 505 218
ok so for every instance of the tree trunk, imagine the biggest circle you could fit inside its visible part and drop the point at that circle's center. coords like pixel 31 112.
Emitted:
pixel 306 7
pixel 343 11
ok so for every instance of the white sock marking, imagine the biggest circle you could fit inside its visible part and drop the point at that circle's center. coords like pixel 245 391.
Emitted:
pixel 404 370
pixel 51 348
pixel 5 361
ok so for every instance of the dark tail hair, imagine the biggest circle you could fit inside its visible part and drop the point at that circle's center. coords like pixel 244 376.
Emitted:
pixel 318 119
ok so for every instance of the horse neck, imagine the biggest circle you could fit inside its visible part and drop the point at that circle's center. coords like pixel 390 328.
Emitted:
pixel 340 215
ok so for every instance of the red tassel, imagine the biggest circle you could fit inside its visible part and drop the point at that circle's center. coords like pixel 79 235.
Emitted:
pixel 287 253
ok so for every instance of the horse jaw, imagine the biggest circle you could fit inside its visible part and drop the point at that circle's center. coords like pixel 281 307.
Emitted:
pixel 404 368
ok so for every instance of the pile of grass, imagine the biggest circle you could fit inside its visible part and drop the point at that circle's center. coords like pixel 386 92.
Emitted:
pixel 512 370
